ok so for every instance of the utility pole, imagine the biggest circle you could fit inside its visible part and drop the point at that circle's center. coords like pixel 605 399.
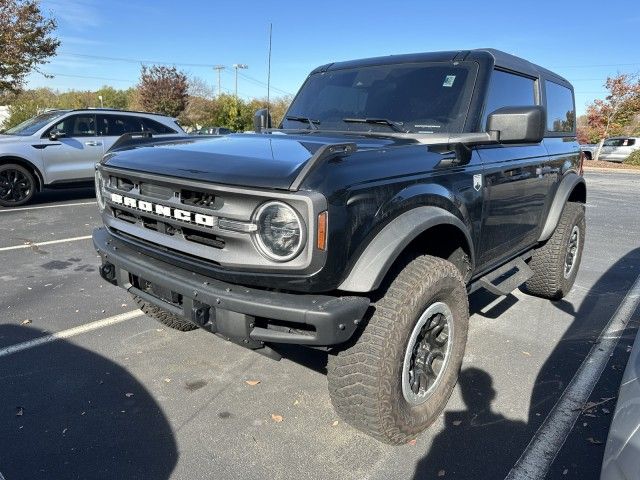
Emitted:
pixel 219 68
pixel 237 66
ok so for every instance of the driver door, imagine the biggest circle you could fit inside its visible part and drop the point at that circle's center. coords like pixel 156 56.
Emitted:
pixel 73 154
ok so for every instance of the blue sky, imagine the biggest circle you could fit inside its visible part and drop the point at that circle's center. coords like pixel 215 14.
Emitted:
pixel 105 42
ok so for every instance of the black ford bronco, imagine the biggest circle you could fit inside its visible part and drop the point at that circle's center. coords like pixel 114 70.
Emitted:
pixel 393 188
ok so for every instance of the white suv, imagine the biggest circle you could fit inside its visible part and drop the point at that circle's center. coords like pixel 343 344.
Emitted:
pixel 61 147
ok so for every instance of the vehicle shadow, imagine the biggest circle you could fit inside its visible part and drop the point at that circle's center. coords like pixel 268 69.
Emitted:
pixel 86 192
pixel 70 413
pixel 487 445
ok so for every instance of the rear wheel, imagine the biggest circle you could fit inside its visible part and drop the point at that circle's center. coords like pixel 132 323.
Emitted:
pixel 555 264
pixel 17 185
pixel 396 378
pixel 164 317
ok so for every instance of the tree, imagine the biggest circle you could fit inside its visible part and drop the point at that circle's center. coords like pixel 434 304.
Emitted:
pixel 25 41
pixel 617 114
pixel 28 104
pixel 163 90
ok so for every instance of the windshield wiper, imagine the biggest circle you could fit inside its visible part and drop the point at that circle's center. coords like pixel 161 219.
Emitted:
pixel 379 121
pixel 312 123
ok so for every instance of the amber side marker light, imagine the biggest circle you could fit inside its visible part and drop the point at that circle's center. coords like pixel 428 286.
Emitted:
pixel 322 231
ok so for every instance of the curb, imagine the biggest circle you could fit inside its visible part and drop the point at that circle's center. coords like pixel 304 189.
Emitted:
pixel 610 170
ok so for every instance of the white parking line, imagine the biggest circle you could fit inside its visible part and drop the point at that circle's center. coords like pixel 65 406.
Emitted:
pixel 18 347
pixel 41 244
pixel 9 210
pixel 535 461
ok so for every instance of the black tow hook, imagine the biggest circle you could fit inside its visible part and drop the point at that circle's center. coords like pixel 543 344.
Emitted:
pixel 108 272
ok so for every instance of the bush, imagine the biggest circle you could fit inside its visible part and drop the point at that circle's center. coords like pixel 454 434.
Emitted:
pixel 633 159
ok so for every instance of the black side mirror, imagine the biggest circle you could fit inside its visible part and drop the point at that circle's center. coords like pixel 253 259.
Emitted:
pixel 517 124
pixel 56 134
pixel 261 120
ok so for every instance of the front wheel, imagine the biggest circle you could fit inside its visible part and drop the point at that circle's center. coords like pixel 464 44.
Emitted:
pixel 396 378
pixel 17 185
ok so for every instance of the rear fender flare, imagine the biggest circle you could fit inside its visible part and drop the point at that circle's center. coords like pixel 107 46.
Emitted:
pixel 568 184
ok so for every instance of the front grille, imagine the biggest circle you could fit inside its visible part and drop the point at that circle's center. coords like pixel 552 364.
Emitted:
pixel 156 191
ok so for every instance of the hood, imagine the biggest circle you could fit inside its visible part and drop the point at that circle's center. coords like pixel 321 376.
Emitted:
pixel 13 139
pixel 260 161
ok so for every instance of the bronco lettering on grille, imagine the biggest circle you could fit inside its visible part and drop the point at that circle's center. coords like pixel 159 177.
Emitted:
pixel 165 211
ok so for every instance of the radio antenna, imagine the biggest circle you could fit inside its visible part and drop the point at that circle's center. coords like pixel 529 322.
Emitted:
pixel 269 75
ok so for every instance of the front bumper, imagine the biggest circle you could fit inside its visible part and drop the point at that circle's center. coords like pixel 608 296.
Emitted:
pixel 248 316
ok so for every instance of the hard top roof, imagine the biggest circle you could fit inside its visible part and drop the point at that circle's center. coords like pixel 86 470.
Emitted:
pixel 482 55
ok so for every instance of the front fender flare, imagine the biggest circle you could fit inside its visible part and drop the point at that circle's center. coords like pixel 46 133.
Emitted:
pixel 380 254
pixel 567 185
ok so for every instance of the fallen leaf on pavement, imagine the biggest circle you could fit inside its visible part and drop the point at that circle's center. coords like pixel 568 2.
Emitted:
pixel 594 441
pixel 25 322
pixel 296 402
pixel 128 395
pixel 167 380
pixel 565 471
pixel 253 383
pixel 335 424
pixel 19 411
pixel 526 353
pixel 276 418
pixel 606 410
pixel 412 442
pixel 441 473
pixel 457 422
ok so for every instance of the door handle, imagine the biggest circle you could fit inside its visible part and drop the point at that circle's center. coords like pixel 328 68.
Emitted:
pixel 92 144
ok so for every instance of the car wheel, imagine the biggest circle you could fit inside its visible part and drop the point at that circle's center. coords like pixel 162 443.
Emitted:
pixel 555 264
pixel 394 380
pixel 17 185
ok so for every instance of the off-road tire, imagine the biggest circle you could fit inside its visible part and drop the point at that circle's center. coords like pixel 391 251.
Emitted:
pixel 164 317
pixel 365 377
pixel 28 176
pixel 548 261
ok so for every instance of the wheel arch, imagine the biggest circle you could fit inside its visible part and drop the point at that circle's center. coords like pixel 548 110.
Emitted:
pixel 572 188
pixel 26 164
pixel 419 230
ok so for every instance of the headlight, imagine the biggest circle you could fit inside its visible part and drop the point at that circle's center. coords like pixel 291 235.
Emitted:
pixel 281 234
pixel 99 186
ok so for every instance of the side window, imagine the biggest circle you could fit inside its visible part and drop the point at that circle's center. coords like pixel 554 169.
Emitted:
pixel 77 126
pixel 116 125
pixel 155 127
pixel 561 114
pixel 614 142
pixel 508 90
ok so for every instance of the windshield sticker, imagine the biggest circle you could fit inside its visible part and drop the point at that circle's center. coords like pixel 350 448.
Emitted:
pixel 448 81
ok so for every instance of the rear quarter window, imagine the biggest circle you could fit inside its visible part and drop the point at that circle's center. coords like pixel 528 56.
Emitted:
pixel 561 114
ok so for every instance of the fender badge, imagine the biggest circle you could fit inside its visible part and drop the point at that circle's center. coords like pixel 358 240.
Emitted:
pixel 477 182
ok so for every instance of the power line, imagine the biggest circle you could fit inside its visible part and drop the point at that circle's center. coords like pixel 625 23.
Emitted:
pixel 160 62
pixel 89 77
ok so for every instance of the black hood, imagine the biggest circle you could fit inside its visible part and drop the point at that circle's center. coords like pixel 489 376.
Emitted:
pixel 261 161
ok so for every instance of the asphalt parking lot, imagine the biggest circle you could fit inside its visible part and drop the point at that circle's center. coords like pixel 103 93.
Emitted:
pixel 128 398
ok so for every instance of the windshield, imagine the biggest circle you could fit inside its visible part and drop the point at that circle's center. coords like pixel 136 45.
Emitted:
pixel 414 97
pixel 31 126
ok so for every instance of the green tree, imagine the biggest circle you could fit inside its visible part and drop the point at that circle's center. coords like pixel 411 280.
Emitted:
pixel 25 41
pixel 163 90
pixel 30 103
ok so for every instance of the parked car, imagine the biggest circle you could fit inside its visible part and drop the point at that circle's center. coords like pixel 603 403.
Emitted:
pixel 61 147
pixel 614 149
pixel 395 187
pixel 212 131
pixel 589 150
pixel 617 149
pixel 621 459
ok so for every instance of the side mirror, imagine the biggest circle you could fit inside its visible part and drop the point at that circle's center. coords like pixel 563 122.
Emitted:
pixel 56 134
pixel 517 124
pixel 261 120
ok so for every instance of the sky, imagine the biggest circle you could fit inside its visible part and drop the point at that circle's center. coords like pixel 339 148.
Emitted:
pixel 105 43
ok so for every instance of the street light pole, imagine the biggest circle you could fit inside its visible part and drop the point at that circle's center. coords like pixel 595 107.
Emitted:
pixel 219 68
pixel 237 66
